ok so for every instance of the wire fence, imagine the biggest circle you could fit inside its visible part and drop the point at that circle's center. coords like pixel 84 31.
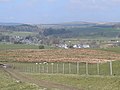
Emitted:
pixel 80 68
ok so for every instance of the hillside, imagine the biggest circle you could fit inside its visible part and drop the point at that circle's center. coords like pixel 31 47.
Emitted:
pixel 17 27
pixel 9 24
pixel 67 30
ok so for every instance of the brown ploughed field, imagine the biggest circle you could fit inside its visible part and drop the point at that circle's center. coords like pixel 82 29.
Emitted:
pixel 59 55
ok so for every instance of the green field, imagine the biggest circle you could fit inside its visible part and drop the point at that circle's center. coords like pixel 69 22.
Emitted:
pixel 9 83
pixel 22 34
pixel 92 81
pixel 83 82
pixel 115 49
pixel 16 46
pixel 5 46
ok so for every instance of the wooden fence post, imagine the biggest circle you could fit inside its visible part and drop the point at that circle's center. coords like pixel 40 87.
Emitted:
pixel 77 67
pixel 43 67
pixel 57 69
pixel 47 68
pixel 39 68
pixel 111 69
pixel 63 68
pixel 98 68
pixel 86 68
pixel 52 67
pixel 69 68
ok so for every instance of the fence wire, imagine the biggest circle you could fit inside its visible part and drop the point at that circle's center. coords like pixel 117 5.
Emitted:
pixel 80 68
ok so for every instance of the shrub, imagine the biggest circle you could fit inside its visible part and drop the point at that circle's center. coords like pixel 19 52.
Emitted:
pixel 41 47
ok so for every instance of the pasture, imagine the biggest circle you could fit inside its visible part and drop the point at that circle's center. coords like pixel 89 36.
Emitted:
pixel 81 68
pixel 4 46
pixel 19 33
pixel 8 46
pixel 9 83
pixel 82 82
pixel 115 49
pixel 69 75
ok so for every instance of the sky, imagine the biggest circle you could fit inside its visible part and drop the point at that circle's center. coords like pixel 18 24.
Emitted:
pixel 58 11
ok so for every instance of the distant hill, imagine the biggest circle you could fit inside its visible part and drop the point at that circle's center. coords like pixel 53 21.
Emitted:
pixel 18 27
pixel 80 24
pixel 68 30
pixel 82 29
pixel 10 24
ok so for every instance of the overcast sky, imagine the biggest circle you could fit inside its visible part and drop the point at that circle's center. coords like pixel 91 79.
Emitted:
pixel 58 11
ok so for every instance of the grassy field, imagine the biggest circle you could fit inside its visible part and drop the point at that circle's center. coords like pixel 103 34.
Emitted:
pixel 22 34
pixel 16 46
pixel 8 83
pixel 67 76
pixel 93 81
pixel 5 46
pixel 115 49
pixel 83 82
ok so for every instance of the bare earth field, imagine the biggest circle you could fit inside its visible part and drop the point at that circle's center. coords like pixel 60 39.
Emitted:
pixel 59 55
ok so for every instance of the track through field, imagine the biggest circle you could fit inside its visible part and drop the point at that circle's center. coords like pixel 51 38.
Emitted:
pixel 47 84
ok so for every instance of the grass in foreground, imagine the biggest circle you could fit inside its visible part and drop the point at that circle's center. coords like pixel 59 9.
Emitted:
pixel 83 82
pixel 8 83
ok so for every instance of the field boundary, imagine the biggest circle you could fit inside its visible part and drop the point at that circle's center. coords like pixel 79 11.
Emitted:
pixel 110 68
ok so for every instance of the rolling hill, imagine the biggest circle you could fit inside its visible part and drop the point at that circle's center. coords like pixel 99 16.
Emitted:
pixel 67 30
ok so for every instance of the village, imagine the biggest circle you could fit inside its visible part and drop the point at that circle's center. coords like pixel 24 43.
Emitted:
pixel 61 43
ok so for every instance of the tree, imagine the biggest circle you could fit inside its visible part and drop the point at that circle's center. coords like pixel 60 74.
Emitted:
pixel 41 47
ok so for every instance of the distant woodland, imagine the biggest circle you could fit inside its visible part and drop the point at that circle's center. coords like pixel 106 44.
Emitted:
pixel 67 30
